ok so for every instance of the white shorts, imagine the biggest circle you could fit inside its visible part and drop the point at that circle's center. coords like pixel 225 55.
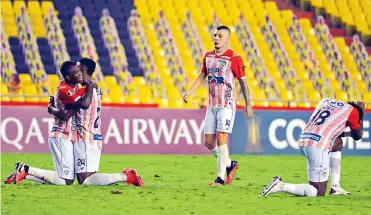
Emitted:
pixel 87 156
pixel 318 163
pixel 71 157
pixel 219 119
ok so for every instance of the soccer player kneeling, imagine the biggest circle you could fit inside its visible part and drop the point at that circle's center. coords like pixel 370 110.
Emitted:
pixel 325 127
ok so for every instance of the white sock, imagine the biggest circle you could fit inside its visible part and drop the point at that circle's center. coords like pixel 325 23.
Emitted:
pixel 214 151
pixel 46 175
pixel 299 189
pixel 104 179
pixel 222 160
pixel 335 168
pixel 33 178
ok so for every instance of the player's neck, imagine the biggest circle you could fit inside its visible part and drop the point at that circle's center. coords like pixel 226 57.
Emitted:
pixel 72 84
pixel 221 50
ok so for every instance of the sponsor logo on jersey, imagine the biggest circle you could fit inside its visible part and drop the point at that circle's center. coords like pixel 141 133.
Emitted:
pixel 212 70
pixel 311 136
pixel 225 57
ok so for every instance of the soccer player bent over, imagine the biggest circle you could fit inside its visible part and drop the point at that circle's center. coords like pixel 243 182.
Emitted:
pixel 221 67
pixel 326 124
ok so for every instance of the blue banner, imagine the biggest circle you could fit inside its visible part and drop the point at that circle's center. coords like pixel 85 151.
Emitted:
pixel 277 132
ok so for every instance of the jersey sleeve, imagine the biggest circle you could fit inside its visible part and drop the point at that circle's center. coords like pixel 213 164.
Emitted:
pixel 203 68
pixel 67 95
pixel 353 120
pixel 238 68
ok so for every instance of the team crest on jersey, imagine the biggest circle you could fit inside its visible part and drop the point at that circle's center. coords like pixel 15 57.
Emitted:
pixel 222 62
pixel 70 93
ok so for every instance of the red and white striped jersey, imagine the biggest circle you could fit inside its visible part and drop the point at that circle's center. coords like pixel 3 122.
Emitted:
pixel 89 120
pixel 222 71
pixel 66 95
pixel 328 121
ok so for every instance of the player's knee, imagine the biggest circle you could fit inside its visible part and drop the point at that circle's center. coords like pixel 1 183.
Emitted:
pixel 81 177
pixel 338 145
pixel 210 141
pixel 312 192
pixel 69 182
pixel 210 145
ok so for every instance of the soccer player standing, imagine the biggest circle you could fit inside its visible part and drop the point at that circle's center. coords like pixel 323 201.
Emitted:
pixel 326 124
pixel 221 67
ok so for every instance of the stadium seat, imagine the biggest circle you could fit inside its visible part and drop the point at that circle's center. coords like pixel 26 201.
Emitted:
pixel 4 93
pixel 30 93
pixel 275 45
pixel 25 78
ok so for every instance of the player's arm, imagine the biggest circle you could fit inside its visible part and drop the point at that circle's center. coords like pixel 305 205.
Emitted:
pixel 355 122
pixel 197 82
pixel 59 113
pixel 238 70
pixel 85 101
pixel 195 85
pixel 245 91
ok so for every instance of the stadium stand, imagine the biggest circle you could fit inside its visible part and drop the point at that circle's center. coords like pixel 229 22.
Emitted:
pixel 148 51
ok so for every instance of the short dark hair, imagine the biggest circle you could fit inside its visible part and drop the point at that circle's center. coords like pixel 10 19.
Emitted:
pixel 223 27
pixel 90 65
pixel 65 68
pixel 359 109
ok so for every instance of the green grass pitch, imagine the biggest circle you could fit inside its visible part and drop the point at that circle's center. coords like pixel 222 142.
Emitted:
pixel 177 184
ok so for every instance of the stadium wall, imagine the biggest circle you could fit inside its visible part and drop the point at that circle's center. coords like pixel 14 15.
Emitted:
pixel 162 131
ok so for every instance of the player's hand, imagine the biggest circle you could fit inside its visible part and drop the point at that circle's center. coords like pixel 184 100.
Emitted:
pixel 51 101
pixel 185 96
pixel 248 111
pixel 95 85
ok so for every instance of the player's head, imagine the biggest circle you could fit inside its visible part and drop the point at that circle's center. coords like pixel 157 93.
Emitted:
pixel 105 12
pixel 359 109
pixel 87 66
pixel 78 11
pixel 70 72
pixel 221 37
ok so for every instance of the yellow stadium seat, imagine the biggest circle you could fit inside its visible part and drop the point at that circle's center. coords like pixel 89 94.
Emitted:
pixel 162 102
pixel 110 80
pixel 33 7
pixel 7 9
pixel 342 96
pixel 106 99
pixel 367 97
pixel 103 85
pixel 132 100
pixel 4 93
pixel 139 80
pixel 17 6
pixel 25 78
pixel 176 103
pixel 45 5
pixel 30 93
pixel 17 97
pixel 146 100
pixel 314 96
